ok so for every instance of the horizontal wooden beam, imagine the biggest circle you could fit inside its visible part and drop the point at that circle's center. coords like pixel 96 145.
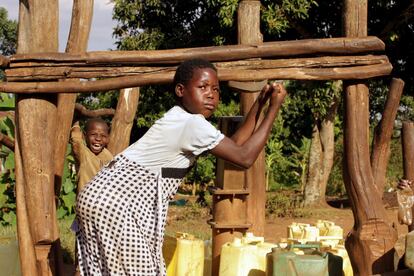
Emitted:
pixel 88 72
pixel 325 46
pixel 225 74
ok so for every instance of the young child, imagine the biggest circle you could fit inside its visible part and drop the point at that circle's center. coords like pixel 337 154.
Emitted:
pixel 90 153
pixel 122 211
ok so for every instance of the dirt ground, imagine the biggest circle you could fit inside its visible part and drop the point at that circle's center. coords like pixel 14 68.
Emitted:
pixel 192 220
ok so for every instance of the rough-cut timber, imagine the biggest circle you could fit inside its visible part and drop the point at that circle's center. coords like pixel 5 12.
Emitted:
pixel 83 111
pixel 370 244
pixel 36 126
pixel 77 43
pixel 4 61
pixel 85 71
pixel 346 73
pixel 323 46
pixel 123 120
pixel 382 136
pixel 248 27
pixel 27 252
pixel 407 140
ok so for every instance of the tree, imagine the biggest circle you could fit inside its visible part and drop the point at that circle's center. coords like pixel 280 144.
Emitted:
pixel 8 36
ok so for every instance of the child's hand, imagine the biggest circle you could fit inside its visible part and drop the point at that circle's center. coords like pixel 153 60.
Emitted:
pixel 274 91
pixel 404 184
pixel 278 94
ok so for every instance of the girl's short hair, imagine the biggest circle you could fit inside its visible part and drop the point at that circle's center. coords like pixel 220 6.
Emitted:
pixel 185 70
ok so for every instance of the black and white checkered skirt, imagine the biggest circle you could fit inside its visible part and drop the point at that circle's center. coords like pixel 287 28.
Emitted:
pixel 121 214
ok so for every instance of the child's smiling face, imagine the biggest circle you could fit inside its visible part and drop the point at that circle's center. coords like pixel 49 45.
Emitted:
pixel 97 137
pixel 201 95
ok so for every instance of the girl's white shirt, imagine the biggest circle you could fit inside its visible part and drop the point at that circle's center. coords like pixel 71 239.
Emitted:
pixel 174 141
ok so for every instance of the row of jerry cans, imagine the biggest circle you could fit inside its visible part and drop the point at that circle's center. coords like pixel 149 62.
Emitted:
pixel 254 257
pixel 251 255
pixel 322 231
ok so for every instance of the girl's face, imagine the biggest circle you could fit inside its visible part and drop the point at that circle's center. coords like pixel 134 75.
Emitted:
pixel 201 95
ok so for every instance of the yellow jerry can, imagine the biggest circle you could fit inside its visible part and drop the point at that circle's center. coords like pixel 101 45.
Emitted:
pixel 9 257
pixel 183 255
pixel 245 256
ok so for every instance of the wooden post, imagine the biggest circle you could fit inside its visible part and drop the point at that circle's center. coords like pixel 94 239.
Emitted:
pixel 26 247
pixel 407 141
pixel 123 120
pixel 77 43
pixel 36 126
pixel 229 200
pixel 371 241
pixel 248 21
pixel 382 136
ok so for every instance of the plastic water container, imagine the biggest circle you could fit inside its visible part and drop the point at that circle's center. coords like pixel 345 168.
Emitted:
pixel 9 257
pixel 183 255
pixel 340 251
pixel 296 230
pixel 208 257
pixel 245 256
pixel 285 262
pixel 303 232
pixel 409 250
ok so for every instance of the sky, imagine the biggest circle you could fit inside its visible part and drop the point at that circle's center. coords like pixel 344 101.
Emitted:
pixel 100 37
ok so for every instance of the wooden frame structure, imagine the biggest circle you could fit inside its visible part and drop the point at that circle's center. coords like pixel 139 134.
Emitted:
pixel 46 83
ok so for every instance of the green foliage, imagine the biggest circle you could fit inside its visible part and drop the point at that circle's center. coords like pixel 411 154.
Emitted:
pixel 67 198
pixel 8 36
pixel 282 204
pixel 8 33
pixel 7 179
pixel 6 102
pixel 278 15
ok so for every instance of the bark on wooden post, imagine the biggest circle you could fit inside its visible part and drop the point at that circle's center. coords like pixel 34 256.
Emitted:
pixel 407 138
pixel 77 43
pixel 371 241
pixel 36 125
pixel 229 199
pixel 26 247
pixel 248 20
pixel 382 136
pixel 123 120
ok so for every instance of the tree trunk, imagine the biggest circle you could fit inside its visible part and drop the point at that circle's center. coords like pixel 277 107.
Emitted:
pixel 123 120
pixel 321 156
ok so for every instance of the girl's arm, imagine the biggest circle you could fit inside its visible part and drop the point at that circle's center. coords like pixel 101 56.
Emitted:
pixel 248 142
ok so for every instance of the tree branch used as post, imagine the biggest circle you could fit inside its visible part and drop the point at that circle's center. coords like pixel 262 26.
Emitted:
pixel 383 133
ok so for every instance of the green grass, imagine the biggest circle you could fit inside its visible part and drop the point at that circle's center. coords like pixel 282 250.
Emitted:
pixel 67 238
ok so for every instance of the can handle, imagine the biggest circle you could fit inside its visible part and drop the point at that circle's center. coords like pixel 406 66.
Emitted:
pixel 304 246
